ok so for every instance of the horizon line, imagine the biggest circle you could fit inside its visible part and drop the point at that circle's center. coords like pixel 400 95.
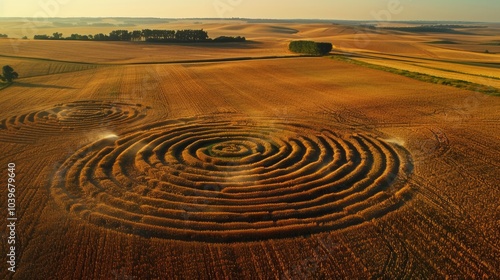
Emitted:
pixel 244 18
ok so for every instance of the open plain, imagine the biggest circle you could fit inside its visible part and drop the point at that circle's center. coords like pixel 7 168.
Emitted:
pixel 137 160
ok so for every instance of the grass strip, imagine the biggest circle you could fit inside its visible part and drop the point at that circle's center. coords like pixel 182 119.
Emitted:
pixel 458 72
pixel 489 90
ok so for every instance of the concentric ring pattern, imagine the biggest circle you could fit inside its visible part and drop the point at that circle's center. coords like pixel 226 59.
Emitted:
pixel 233 180
pixel 75 116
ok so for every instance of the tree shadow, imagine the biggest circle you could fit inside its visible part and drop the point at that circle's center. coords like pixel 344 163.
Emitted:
pixel 30 85
pixel 234 45
pixel 249 44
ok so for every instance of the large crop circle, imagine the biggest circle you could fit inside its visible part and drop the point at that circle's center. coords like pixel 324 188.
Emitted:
pixel 233 180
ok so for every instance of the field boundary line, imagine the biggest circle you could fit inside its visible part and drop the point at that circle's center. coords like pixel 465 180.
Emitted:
pixel 371 54
pixel 228 59
pixel 48 59
pixel 461 84
pixel 215 60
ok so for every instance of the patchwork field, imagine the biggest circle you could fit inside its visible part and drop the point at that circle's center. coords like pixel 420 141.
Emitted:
pixel 145 161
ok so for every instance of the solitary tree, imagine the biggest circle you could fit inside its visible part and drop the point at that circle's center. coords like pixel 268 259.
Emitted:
pixel 8 74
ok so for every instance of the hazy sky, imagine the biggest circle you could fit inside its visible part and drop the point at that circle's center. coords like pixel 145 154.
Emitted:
pixel 467 10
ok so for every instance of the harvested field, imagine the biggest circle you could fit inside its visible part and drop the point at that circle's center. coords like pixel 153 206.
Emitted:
pixel 133 165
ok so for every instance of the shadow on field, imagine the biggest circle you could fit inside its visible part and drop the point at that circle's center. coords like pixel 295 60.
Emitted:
pixel 233 45
pixel 228 45
pixel 29 85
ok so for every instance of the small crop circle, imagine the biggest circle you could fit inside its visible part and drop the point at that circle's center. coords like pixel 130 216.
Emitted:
pixel 69 117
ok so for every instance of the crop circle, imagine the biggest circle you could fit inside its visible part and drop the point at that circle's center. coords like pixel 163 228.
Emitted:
pixel 233 180
pixel 68 117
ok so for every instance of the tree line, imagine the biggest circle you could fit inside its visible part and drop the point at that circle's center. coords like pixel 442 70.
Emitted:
pixel 147 35
pixel 4 36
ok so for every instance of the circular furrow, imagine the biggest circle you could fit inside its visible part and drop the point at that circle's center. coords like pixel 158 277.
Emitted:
pixel 71 117
pixel 224 181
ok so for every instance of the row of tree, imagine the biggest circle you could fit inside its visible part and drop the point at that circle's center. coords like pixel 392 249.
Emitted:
pixel 310 47
pixel 147 35
pixel 4 36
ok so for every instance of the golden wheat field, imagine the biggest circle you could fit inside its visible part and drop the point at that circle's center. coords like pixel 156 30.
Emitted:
pixel 155 161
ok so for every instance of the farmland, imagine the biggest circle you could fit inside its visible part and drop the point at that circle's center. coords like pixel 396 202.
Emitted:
pixel 137 160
